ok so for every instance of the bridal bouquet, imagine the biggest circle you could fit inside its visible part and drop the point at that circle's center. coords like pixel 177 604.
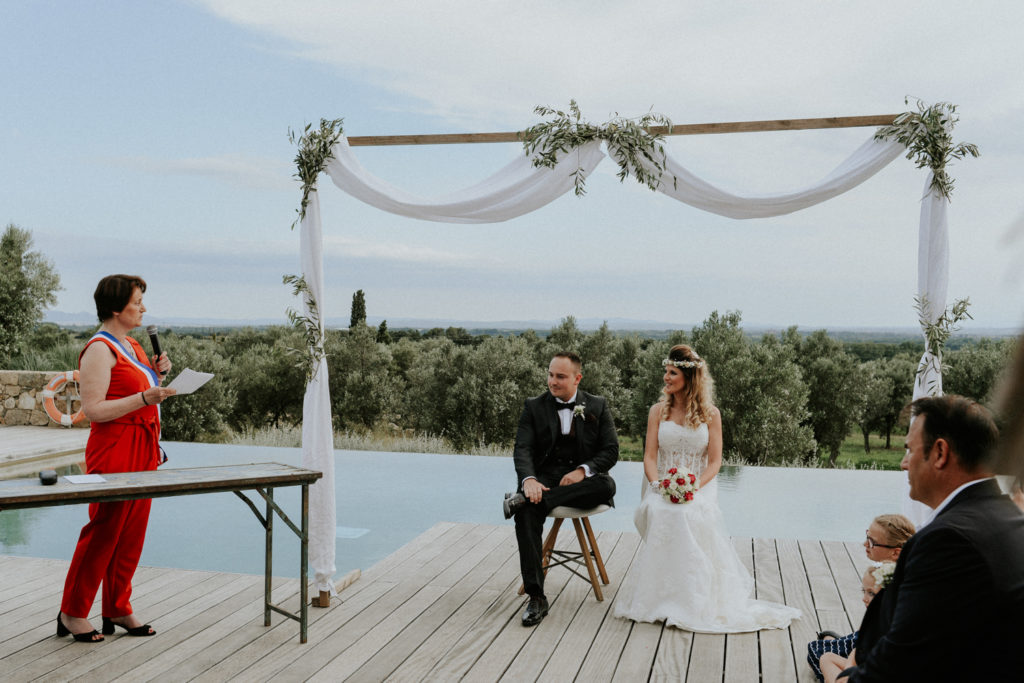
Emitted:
pixel 679 485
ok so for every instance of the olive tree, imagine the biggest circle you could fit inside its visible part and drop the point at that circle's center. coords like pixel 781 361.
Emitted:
pixel 28 285
pixel 974 370
pixel 201 415
pixel 835 388
pixel 363 389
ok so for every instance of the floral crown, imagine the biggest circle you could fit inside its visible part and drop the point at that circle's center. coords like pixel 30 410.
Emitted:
pixel 883 574
pixel 683 363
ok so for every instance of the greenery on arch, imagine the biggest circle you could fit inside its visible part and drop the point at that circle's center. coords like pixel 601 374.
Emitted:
pixel 938 332
pixel 316 148
pixel 629 140
pixel 309 325
pixel 928 136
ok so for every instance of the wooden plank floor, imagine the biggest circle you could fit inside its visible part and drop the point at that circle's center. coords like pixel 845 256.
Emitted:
pixel 441 608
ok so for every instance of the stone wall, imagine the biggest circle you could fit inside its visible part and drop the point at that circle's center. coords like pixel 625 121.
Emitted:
pixel 21 398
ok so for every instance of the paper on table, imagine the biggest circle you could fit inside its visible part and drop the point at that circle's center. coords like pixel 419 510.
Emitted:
pixel 189 380
pixel 84 478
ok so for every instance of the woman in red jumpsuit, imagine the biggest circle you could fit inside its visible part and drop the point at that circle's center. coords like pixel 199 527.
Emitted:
pixel 121 393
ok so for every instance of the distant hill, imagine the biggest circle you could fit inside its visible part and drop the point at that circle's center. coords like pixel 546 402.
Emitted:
pixel 654 329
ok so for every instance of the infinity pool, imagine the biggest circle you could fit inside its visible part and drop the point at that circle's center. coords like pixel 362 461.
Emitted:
pixel 384 500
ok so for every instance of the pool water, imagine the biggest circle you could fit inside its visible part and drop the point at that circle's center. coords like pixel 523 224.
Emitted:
pixel 384 500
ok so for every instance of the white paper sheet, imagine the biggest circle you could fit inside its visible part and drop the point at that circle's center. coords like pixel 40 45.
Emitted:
pixel 84 478
pixel 189 380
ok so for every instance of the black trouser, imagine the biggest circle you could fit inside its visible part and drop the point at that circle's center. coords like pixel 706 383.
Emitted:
pixel 590 492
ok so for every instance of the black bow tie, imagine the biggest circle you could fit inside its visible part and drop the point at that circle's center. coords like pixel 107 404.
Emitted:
pixel 565 406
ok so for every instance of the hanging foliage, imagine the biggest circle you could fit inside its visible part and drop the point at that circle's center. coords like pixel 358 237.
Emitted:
pixel 315 150
pixel 928 136
pixel 309 325
pixel 938 332
pixel 629 140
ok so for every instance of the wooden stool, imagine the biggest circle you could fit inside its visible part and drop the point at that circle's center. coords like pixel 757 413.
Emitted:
pixel 588 554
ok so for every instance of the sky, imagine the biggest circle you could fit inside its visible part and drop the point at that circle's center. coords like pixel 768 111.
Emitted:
pixel 152 138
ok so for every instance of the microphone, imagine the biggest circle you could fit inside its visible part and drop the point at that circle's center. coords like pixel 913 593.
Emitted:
pixel 155 341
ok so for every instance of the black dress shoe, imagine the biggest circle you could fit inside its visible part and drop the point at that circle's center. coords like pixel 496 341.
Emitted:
pixel 512 503
pixel 535 611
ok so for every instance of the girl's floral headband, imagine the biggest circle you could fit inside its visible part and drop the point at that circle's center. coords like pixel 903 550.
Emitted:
pixel 683 363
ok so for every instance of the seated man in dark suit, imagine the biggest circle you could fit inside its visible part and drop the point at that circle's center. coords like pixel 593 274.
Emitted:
pixel 565 445
pixel 955 608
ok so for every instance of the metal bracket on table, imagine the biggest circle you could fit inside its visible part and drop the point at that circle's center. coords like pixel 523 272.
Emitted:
pixel 267 520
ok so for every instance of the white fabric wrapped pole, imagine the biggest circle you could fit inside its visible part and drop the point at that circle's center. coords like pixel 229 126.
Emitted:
pixel 932 279
pixel 933 285
pixel 317 429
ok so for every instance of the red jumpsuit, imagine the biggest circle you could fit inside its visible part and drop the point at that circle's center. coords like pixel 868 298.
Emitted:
pixel 110 545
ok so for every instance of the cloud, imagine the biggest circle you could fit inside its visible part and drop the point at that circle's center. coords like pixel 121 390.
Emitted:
pixel 241 171
pixel 403 254
pixel 466 59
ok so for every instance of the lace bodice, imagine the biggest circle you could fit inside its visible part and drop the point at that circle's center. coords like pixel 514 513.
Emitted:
pixel 680 446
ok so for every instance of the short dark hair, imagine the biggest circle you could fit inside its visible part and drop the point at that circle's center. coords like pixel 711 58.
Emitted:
pixel 574 358
pixel 965 424
pixel 114 292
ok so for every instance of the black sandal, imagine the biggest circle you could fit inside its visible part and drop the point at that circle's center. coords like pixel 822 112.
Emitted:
pixel 144 630
pixel 823 635
pixel 89 637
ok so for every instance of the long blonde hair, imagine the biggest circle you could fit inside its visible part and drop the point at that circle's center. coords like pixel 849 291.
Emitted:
pixel 696 393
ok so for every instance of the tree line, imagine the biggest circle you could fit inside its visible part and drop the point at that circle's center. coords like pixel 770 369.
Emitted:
pixel 784 398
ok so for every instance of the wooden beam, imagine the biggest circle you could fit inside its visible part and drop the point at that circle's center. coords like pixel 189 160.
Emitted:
pixel 683 129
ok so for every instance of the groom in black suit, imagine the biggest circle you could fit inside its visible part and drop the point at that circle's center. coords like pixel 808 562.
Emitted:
pixel 565 445
pixel 955 608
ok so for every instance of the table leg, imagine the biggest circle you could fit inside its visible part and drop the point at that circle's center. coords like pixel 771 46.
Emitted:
pixel 303 570
pixel 269 559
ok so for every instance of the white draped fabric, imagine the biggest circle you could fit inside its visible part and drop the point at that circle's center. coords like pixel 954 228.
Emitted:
pixel 516 189
pixel 519 188
pixel 932 281
pixel 866 161
pixel 317 429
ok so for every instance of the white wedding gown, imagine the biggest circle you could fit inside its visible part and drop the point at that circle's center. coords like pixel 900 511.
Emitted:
pixel 686 572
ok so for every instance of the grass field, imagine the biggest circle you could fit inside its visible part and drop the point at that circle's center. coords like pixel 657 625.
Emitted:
pixel 851 455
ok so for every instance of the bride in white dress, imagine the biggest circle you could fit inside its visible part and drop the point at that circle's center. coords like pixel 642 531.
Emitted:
pixel 686 572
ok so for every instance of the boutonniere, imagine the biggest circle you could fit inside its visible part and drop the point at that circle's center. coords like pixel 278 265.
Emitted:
pixel 579 410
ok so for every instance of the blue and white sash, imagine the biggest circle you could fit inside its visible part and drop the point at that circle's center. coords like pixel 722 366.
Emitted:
pixel 149 373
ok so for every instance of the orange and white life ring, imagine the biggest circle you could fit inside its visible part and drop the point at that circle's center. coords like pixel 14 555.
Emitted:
pixel 57 384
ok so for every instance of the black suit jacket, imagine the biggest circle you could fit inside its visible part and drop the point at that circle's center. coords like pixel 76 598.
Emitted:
pixel 539 429
pixel 955 607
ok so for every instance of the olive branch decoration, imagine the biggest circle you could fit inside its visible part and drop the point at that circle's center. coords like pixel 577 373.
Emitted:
pixel 937 333
pixel 315 150
pixel 928 136
pixel 308 325
pixel 630 139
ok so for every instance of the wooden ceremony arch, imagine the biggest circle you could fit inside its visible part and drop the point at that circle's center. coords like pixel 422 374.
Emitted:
pixel 317 436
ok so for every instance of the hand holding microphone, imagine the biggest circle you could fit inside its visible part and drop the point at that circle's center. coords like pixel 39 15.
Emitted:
pixel 161 363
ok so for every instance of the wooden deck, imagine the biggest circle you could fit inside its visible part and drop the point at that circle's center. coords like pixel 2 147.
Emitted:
pixel 441 608
pixel 24 450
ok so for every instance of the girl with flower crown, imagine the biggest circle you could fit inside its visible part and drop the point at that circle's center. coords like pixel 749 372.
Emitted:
pixel 686 572
pixel 884 539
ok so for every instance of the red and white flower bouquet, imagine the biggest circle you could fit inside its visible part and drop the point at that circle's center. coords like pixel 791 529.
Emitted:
pixel 679 485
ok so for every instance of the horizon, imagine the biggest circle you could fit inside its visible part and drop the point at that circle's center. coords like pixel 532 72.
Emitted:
pixel 82 319
pixel 152 138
